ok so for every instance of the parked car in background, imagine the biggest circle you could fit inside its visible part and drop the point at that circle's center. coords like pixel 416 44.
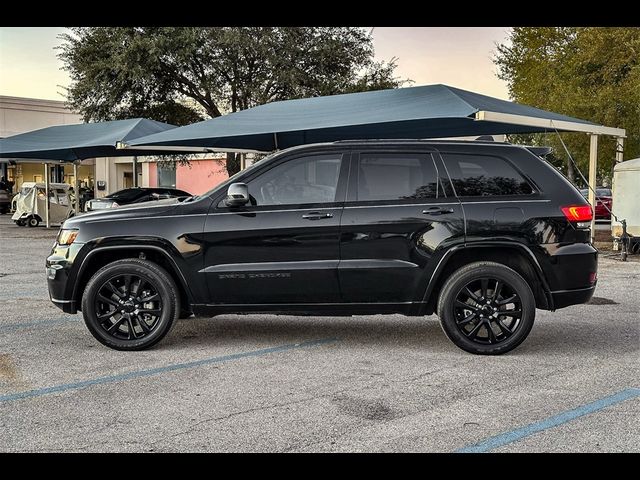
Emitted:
pixel 129 196
pixel 604 201
pixel 480 233
pixel 30 204
pixel 5 201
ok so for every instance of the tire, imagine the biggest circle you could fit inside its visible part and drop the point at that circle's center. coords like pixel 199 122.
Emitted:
pixel 33 222
pixel 21 223
pixel 99 316
pixel 467 315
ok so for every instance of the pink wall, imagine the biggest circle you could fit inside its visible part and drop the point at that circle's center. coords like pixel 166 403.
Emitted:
pixel 200 176
pixel 153 174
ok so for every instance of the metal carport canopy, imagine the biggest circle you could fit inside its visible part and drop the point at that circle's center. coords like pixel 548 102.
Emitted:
pixel 74 142
pixel 428 111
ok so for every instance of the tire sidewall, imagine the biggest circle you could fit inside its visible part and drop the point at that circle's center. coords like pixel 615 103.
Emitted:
pixel 162 285
pixel 461 278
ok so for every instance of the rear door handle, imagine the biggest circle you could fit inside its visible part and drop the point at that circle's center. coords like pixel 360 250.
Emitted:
pixel 317 215
pixel 437 211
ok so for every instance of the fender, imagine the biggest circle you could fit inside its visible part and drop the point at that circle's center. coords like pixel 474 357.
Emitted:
pixel 164 250
pixel 526 250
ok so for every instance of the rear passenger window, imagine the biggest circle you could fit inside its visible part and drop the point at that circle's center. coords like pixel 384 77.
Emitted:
pixel 484 175
pixel 396 177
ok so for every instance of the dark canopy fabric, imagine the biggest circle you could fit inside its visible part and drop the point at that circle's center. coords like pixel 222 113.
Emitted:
pixel 80 141
pixel 417 112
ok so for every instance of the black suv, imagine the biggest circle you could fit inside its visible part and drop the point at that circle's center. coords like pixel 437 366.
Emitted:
pixel 480 233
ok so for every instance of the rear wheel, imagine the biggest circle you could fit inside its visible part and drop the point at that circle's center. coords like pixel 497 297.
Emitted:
pixel 130 304
pixel 486 308
pixel 33 222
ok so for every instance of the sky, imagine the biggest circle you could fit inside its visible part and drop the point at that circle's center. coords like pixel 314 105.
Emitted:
pixel 460 57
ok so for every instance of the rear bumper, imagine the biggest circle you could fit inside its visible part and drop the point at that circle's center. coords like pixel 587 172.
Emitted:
pixel 564 298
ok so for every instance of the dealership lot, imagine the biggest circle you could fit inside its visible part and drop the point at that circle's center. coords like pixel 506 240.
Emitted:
pixel 269 383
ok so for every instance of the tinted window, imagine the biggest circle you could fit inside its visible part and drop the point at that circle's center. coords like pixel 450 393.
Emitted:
pixel 396 177
pixel 312 179
pixel 483 175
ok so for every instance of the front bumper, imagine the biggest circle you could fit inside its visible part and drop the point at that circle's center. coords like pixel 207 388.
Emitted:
pixel 61 276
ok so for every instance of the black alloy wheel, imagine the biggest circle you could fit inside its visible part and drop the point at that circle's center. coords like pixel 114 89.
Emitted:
pixel 130 304
pixel 486 308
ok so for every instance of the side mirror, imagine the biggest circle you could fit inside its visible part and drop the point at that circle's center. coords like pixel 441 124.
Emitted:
pixel 237 195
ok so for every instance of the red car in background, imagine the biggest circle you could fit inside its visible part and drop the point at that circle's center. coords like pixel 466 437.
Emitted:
pixel 603 202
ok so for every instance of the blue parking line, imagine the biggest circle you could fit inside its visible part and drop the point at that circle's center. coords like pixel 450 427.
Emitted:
pixel 551 422
pixel 37 323
pixel 156 371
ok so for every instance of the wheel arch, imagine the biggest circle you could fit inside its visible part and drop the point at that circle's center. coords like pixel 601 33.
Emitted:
pixel 516 256
pixel 101 256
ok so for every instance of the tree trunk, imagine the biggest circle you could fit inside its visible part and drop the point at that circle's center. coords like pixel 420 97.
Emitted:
pixel 571 174
pixel 233 163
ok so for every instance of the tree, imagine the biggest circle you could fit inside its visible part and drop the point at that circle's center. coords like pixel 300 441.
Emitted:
pixel 184 74
pixel 591 73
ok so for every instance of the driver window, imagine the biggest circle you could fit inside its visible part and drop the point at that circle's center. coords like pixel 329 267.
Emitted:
pixel 312 179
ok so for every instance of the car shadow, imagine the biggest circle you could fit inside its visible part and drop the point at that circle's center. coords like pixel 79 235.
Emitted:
pixel 551 338
pixel 377 330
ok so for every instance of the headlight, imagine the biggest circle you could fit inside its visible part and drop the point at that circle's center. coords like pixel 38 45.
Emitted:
pixel 67 236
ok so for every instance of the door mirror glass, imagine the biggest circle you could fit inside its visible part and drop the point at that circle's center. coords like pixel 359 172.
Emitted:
pixel 237 195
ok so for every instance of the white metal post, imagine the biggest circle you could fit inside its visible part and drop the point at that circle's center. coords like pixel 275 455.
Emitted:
pixel 76 188
pixel 593 168
pixel 46 194
pixel 619 149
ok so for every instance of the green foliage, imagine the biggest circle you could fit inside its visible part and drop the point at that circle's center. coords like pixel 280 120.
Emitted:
pixel 181 75
pixel 591 73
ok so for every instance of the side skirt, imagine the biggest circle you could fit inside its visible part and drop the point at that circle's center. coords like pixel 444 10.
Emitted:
pixel 319 309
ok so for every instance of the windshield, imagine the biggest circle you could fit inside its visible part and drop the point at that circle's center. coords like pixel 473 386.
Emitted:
pixel 127 194
pixel 234 177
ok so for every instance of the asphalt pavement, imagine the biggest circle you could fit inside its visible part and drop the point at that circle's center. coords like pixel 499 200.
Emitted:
pixel 307 384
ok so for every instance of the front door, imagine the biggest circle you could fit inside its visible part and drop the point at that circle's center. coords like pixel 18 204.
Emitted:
pixel 396 223
pixel 284 247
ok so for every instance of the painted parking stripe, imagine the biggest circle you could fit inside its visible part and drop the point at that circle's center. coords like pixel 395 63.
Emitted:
pixel 38 323
pixel 551 422
pixel 38 392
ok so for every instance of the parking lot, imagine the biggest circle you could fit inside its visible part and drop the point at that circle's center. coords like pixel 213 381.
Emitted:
pixel 269 383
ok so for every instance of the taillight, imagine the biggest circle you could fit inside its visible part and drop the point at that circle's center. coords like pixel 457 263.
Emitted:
pixel 578 213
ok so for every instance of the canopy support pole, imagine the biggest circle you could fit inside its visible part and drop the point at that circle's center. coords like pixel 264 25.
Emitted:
pixel 619 149
pixel 46 194
pixel 135 171
pixel 593 168
pixel 76 188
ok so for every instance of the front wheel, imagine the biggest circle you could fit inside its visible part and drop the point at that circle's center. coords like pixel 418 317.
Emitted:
pixel 486 308
pixel 130 304
pixel 33 222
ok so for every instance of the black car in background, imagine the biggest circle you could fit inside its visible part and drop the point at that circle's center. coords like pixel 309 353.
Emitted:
pixel 133 195
pixel 480 233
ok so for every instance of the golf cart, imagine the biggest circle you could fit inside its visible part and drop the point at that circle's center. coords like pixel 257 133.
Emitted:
pixel 30 204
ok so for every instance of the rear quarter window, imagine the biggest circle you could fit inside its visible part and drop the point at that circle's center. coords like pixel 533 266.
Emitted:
pixel 484 175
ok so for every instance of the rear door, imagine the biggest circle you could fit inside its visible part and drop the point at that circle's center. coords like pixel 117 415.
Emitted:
pixel 397 222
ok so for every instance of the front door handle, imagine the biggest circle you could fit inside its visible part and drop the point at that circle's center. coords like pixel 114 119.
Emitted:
pixel 437 211
pixel 316 215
